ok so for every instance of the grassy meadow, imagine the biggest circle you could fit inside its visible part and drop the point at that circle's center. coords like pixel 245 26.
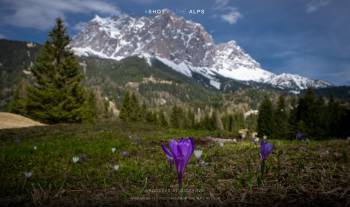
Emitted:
pixel 37 168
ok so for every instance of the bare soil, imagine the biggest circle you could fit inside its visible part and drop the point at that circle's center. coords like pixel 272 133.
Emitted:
pixel 10 120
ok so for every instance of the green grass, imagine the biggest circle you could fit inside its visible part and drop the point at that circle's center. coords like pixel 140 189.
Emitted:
pixel 298 173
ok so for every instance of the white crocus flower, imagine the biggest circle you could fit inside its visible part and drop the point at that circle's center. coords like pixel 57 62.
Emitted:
pixel 113 149
pixel 203 163
pixel 234 140
pixel 35 148
pixel 75 159
pixel 125 153
pixel 28 174
pixel 198 154
pixel 221 144
pixel 116 167
pixel 256 140
pixel 264 137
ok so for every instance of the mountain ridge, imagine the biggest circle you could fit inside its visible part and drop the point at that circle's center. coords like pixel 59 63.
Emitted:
pixel 183 45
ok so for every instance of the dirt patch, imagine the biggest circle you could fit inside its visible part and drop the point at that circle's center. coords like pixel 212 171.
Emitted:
pixel 9 120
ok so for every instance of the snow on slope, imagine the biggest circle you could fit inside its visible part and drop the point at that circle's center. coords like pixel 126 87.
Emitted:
pixel 286 80
pixel 181 44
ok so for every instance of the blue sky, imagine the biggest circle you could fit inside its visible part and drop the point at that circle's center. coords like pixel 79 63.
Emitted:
pixel 307 37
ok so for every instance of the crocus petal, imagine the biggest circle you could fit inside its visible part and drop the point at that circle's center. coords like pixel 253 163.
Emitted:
pixel 166 151
pixel 265 149
pixel 186 148
pixel 173 148
pixel 179 161
pixel 168 155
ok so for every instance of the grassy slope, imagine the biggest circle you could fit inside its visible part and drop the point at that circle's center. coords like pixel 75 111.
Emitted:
pixel 298 174
pixel 112 77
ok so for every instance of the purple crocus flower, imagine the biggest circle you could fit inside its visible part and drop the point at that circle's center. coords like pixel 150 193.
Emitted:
pixel 179 152
pixel 169 156
pixel 299 135
pixel 265 149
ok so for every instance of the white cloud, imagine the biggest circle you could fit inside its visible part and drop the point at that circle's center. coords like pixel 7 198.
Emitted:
pixel 40 14
pixel 315 5
pixel 219 4
pixel 232 16
pixel 79 26
pixel 228 13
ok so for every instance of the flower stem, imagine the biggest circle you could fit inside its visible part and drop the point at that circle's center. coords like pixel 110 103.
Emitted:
pixel 262 168
pixel 179 179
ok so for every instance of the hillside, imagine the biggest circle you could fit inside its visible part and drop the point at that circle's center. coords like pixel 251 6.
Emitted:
pixel 157 84
pixel 15 60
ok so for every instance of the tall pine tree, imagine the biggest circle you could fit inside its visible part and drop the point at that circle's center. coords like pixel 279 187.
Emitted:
pixel 57 94
pixel 162 119
pixel 265 118
pixel 191 119
pixel 125 108
pixel 18 102
pixel 174 117
pixel 281 120
pixel 135 108
pixel 308 114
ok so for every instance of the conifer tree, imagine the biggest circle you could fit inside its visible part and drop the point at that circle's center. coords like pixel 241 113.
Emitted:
pixel 307 114
pixel 56 94
pixel 208 122
pixel 190 119
pixel 333 115
pixel 18 102
pixel 227 121
pixel 143 112
pixel 162 120
pixel 181 117
pixel 125 108
pixel 177 117
pixel 292 119
pixel 281 120
pixel 265 118
pixel 151 117
pixel 102 106
pixel 217 121
pixel 321 120
pixel 174 119
pixel 205 122
pixel 134 113
pixel 238 121
pixel 250 122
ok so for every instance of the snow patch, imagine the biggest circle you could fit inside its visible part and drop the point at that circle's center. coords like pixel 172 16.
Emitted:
pixel 215 84
pixel 181 68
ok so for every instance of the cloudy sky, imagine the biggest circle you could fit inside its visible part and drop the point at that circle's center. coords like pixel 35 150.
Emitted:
pixel 307 37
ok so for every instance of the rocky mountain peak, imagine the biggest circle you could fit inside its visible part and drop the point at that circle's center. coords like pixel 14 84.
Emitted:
pixel 181 44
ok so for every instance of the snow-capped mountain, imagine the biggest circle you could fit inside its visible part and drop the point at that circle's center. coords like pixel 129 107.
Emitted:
pixel 286 80
pixel 181 44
